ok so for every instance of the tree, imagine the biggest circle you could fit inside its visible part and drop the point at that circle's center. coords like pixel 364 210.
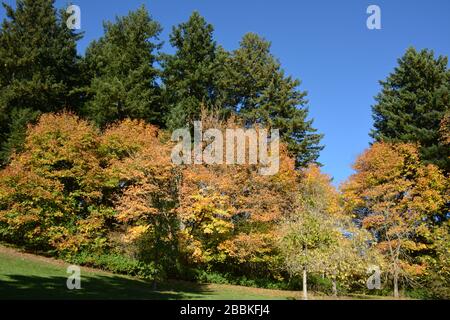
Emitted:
pixel 190 75
pixel 317 238
pixel 137 163
pixel 261 93
pixel 229 213
pixel 445 129
pixel 305 236
pixel 123 76
pixel 413 100
pixel 73 187
pixel 401 201
pixel 19 119
pixel 350 254
pixel 50 194
pixel 38 67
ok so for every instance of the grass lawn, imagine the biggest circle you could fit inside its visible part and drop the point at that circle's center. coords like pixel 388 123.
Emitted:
pixel 26 276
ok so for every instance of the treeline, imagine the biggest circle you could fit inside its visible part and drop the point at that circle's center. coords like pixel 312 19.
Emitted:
pixel 124 74
pixel 87 174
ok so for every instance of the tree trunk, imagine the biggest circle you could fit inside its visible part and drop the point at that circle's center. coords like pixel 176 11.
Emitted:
pixel 395 283
pixel 305 288
pixel 334 287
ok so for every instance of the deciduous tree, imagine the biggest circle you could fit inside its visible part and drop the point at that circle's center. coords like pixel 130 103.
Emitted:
pixel 400 200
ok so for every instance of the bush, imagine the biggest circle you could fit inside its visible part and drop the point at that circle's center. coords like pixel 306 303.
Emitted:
pixel 118 263
pixel 212 277
pixel 204 276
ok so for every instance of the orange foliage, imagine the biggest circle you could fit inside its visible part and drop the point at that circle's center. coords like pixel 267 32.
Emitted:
pixel 230 211
pixel 398 197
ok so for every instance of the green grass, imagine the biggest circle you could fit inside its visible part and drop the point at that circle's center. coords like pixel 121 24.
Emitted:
pixel 25 276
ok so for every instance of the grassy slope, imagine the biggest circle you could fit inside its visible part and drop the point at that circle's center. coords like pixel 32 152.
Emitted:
pixel 25 276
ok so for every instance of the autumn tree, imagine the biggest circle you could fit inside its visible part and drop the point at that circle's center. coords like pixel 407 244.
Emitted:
pixel 351 253
pixel 229 213
pixel 303 238
pixel 445 129
pixel 317 238
pixel 137 162
pixel 400 200
pixel 50 194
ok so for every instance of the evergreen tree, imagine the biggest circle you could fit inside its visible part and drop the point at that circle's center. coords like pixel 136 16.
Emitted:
pixel 191 75
pixel 19 118
pixel 412 104
pixel 263 94
pixel 123 76
pixel 38 67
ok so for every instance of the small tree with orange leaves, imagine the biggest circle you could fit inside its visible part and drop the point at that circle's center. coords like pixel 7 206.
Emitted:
pixel 50 194
pixel 400 200
pixel 137 161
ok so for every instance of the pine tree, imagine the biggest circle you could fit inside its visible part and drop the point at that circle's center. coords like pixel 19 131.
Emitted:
pixel 19 118
pixel 38 67
pixel 190 75
pixel 263 94
pixel 123 76
pixel 412 104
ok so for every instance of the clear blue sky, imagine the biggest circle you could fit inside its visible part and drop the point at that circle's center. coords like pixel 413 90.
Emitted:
pixel 323 43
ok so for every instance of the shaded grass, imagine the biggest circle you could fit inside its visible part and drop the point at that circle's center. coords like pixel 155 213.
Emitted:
pixel 25 276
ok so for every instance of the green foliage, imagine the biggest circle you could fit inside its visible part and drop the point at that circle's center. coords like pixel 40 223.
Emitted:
pixel 38 65
pixel 318 283
pixel 119 264
pixel 262 93
pixel 412 103
pixel 19 120
pixel 189 75
pixel 123 76
pixel 204 276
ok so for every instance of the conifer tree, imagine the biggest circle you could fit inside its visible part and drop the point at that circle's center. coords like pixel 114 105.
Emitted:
pixel 38 67
pixel 123 76
pixel 262 93
pixel 412 104
pixel 190 75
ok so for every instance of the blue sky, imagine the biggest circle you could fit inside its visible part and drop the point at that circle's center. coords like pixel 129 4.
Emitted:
pixel 324 43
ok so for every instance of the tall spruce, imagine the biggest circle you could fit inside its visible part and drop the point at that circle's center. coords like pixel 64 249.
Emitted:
pixel 262 93
pixel 121 65
pixel 412 104
pixel 38 68
pixel 191 75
